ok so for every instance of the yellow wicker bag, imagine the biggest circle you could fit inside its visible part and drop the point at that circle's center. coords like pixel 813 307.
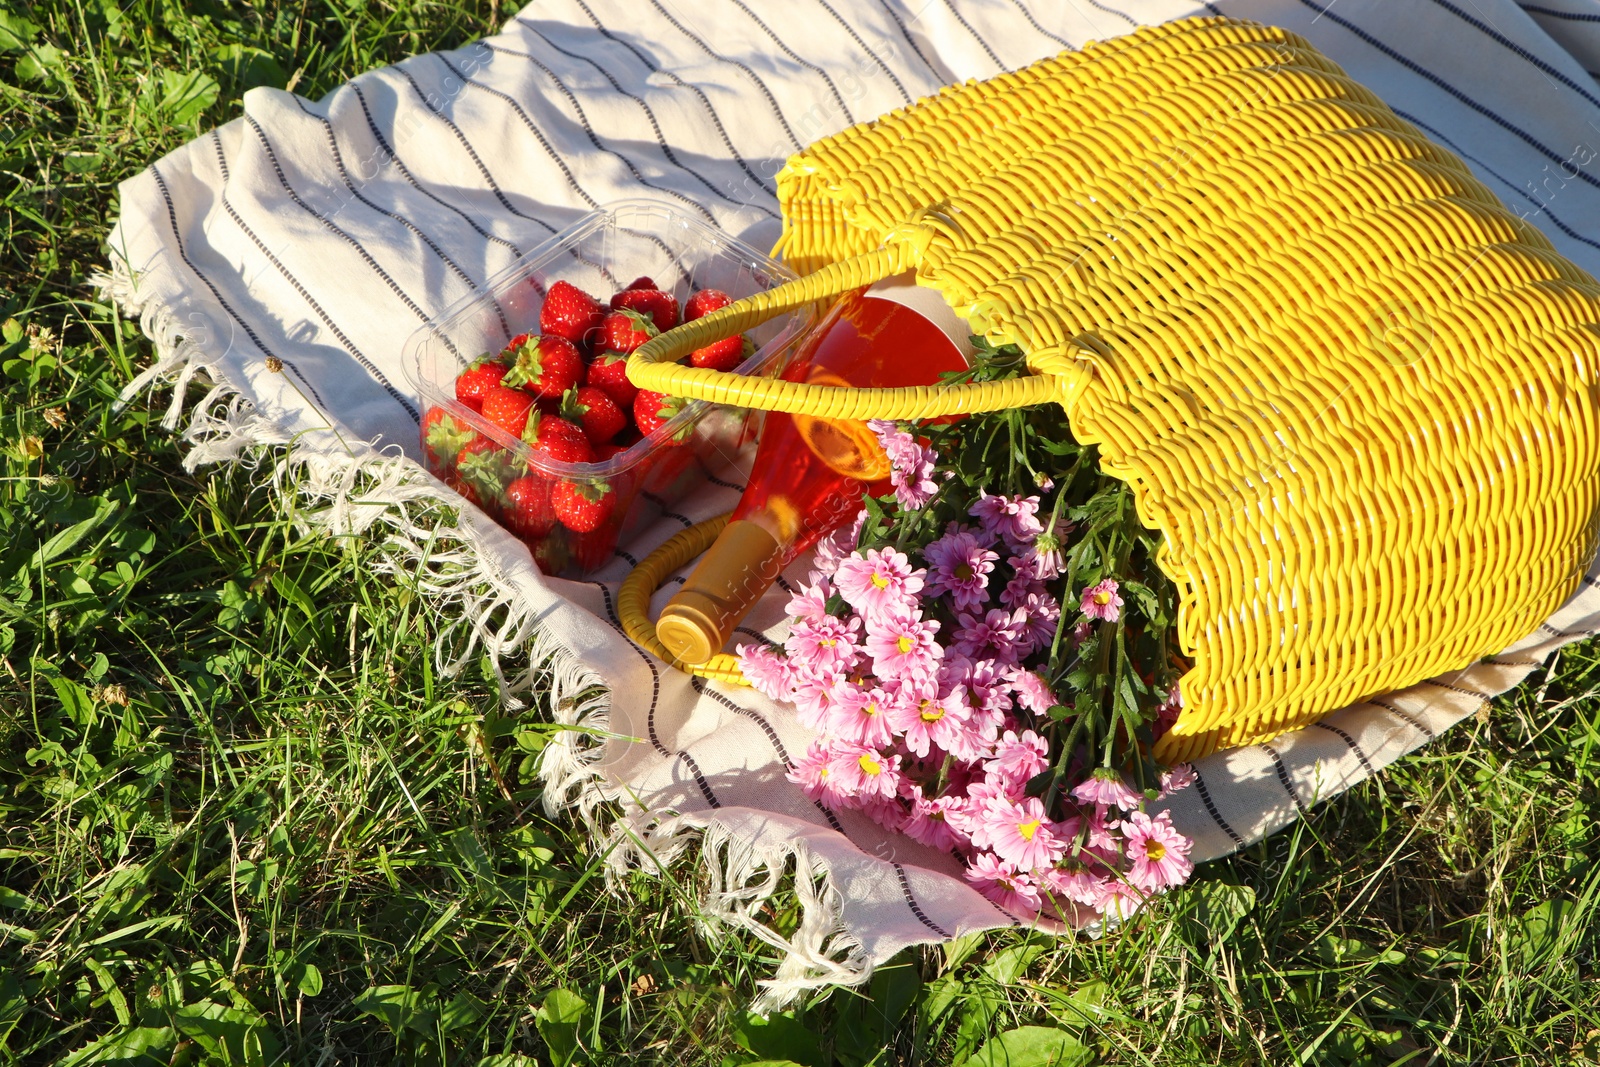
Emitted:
pixel 1355 394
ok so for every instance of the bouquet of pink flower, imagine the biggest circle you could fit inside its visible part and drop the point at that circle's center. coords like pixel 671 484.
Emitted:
pixel 953 702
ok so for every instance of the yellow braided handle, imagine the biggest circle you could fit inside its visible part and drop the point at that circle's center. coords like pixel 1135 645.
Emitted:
pixel 633 600
pixel 653 365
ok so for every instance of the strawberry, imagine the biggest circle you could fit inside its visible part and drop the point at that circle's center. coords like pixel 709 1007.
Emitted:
pixel 442 439
pixel 570 312
pixel 582 506
pixel 551 555
pixel 642 282
pixel 623 331
pixel 607 450
pixel 558 440
pixel 593 550
pixel 601 417
pixel 507 409
pixel 725 354
pixel 528 511
pixel 484 468
pixel 609 372
pixel 651 410
pixel 704 303
pixel 661 308
pixel 477 379
pixel 545 366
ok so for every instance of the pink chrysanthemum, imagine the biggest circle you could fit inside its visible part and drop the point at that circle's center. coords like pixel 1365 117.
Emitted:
pixel 1003 883
pixel 1167 714
pixel 881 582
pixel 996 635
pixel 903 645
pixel 810 603
pixel 911 465
pixel 813 697
pixel 827 646
pixel 767 672
pixel 1015 519
pixel 1016 759
pixel 1032 692
pixel 927 822
pixel 1119 899
pixel 1075 882
pixel 1041 613
pixel 1081 632
pixel 1022 585
pixel 887 812
pixel 861 715
pixel 836 546
pixel 862 773
pixel 988 689
pixel 959 565
pixel 1021 833
pixel 1159 854
pixel 925 718
pixel 1105 786
pixel 969 813
pixel 1176 778
pixel 812 775
pixel 1044 558
pixel 1101 601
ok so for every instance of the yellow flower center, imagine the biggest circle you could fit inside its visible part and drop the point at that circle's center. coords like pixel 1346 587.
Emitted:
pixel 905 644
pixel 963 571
pixel 1102 597
pixel 879 580
pixel 827 642
pixel 932 712
pixel 870 708
pixel 1155 851
pixel 868 764
pixel 1028 829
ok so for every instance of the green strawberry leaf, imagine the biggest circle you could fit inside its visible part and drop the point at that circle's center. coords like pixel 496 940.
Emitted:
pixel 572 409
pixel 530 432
pixel 529 366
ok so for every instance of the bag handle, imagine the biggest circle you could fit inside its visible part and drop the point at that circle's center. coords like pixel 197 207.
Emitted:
pixel 653 365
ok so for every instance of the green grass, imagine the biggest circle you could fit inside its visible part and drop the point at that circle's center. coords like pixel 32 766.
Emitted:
pixel 234 828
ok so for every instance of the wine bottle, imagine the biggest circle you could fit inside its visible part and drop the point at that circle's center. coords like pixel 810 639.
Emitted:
pixel 810 472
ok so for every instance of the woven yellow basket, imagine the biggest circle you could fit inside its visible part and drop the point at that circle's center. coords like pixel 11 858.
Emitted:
pixel 1355 394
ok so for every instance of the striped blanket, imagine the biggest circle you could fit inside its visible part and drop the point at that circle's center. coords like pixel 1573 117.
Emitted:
pixel 287 256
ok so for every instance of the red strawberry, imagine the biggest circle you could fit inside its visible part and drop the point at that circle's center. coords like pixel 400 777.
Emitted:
pixel 584 506
pixel 558 440
pixel 704 302
pixel 551 555
pixel 508 354
pixel 442 439
pixel 725 354
pixel 507 409
pixel 661 308
pixel 601 417
pixel 570 312
pixel 591 551
pixel 607 450
pixel 485 468
pixel 478 379
pixel 528 510
pixel 623 331
pixel 609 372
pixel 651 410
pixel 642 282
pixel 545 366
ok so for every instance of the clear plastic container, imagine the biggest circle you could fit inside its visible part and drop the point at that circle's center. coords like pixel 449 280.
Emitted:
pixel 600 254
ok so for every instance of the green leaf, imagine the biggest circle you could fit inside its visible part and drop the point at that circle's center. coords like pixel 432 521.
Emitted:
pixel 559 1019
pixel 1009 965
pixel 401 1008
pixel 780 1037
pixel 68 539
pixel 1216 910
pixel 16 32
pixel 148 1043
pixel 184 96
pixel 310 981
pixel 248 67
pixel 227 1034
pixel 1033 1046
pixel 10 898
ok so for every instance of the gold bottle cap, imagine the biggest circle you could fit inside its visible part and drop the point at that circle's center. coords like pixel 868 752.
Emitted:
pixel 740 565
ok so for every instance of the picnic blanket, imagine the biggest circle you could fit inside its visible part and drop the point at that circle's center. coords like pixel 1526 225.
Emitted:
pixel 285 258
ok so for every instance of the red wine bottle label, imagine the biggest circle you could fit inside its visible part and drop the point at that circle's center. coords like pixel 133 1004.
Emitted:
pixel 904 290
